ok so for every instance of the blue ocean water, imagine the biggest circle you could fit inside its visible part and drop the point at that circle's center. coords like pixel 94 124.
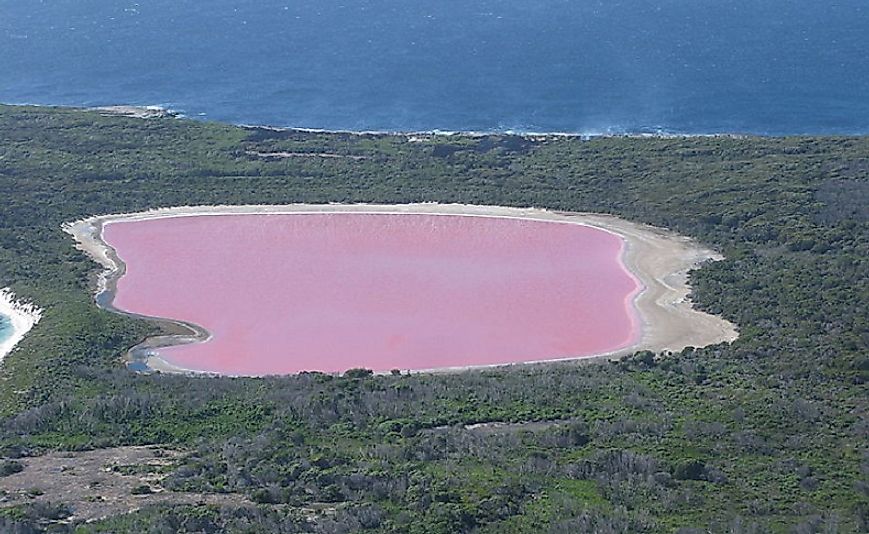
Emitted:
pixel 5 328
pixel 582 66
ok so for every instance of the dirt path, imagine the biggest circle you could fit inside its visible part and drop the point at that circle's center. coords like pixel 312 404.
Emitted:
pixel 285 155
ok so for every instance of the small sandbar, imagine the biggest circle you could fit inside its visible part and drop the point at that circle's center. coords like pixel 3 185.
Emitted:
pixel 282 289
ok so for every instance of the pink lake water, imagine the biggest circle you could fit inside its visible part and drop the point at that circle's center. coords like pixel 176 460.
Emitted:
pixel 333 291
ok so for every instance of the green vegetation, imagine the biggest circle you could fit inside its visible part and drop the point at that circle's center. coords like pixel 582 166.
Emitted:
pixel 10 467
pixel 767 434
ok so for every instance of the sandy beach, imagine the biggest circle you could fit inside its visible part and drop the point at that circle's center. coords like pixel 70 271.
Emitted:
pixel 659 259
pixel 137 112
pixel 23 316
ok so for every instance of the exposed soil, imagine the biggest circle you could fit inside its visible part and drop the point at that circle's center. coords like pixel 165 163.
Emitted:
pixel 100 483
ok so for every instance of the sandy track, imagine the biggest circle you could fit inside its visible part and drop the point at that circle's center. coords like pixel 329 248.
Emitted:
pixel 658 258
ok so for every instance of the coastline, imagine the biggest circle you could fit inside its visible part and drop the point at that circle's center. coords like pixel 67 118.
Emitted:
pixel 138 112
pixel 88 236
pixel 23 316
pixel 157 111
pixel 658 259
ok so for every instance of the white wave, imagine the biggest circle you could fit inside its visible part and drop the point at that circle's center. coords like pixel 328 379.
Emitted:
pixel 22 315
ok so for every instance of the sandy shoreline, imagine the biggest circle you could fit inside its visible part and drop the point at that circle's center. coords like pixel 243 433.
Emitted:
pixel 137 112
pixel 23 317
pixel 659 259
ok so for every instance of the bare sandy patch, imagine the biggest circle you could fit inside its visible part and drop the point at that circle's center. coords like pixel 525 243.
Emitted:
pixel 103 482
pixel 658 258
pixel 137 112
pixel 285 155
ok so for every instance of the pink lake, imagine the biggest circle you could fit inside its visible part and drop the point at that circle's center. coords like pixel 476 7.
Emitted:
pixel 333 291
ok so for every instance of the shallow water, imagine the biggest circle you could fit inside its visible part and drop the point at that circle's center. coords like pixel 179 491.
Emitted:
pixel 700 66
pixel 329 292
pixel 5 328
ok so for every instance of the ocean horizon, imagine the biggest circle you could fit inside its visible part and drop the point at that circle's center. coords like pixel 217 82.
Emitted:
pixel 664 67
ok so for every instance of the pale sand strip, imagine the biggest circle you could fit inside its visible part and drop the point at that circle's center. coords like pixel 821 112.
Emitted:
pixel 137 112
pixel 658 258
pixel 23 317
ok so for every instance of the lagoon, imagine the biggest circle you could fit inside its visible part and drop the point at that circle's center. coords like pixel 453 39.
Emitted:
pixel 285 293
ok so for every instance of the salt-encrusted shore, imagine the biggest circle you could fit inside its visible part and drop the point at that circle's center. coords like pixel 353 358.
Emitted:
pixel 22 315
pixel 659 259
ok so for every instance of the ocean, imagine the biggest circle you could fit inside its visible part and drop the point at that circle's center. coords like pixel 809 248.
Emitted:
pixel 765 67
pixel 5 328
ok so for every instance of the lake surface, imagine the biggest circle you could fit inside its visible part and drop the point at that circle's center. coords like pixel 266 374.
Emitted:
pixel 579 66
pixel 329 292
